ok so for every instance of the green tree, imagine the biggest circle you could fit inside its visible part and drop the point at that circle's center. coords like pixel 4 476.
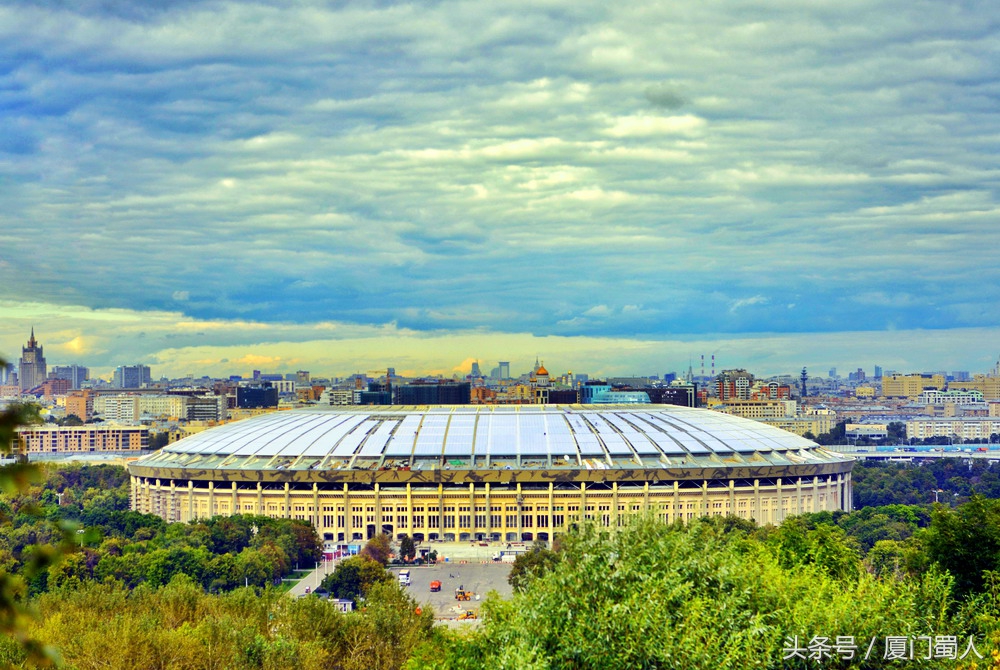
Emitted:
pixel 966 541
pixel 354 577
pixel 896 431
pixel 686 597
pixel 824 546
pixel 531 565
pixel 378 549
pixel 15 479
pixel 837 434
pixel 159 440
pixel 407 548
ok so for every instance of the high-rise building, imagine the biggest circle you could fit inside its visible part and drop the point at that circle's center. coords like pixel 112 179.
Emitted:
pixel 734 384
pixel 74 374
pixel 504 370
pixel 32 365
pixel 81 404
pixel 592 389
pixel 434 393
pixel 878 372
pixel 911 386
pixel 8 374
pixel 131 377
pixel 251 396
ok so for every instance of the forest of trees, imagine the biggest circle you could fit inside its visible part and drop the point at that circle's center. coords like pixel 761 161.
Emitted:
pixel 132 548
pixel 721 593
pixel 947 480
pixel 716 593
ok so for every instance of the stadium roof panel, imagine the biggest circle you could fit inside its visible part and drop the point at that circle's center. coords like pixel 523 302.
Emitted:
pixel 535 433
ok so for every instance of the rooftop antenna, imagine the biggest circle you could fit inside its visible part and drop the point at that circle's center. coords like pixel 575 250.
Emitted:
pixel 804 378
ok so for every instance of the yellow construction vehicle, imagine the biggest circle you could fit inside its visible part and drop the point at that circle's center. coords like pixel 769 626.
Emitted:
pixel 462 594
pixel 467 614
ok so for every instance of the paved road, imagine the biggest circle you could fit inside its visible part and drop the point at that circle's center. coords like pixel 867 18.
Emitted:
pixel 480 578
pixel 476 577
pixel 312 580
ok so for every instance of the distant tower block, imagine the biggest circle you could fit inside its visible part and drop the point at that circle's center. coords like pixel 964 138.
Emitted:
pixel 804 378
pixel 32 370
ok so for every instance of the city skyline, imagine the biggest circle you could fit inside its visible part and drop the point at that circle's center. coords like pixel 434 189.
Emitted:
pixel 616 189
pixel 761 355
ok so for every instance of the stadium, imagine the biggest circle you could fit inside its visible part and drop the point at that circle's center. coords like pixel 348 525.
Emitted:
pixel 489 472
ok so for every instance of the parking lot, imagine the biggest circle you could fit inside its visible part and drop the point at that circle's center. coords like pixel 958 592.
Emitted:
pixel 479 578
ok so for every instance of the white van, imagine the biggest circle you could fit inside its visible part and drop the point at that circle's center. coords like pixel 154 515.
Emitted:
pixel 404 577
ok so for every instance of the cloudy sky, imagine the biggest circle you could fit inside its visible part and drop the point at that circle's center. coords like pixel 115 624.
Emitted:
pixel 614 187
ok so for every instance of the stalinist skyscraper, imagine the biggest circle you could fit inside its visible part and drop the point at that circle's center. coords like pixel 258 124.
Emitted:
pixel 32 371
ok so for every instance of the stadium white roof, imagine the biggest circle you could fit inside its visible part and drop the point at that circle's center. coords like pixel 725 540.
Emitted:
pixel 484 435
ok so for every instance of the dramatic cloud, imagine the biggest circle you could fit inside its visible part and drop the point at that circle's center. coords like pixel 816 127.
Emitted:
pixel 664 95
pixel 586 171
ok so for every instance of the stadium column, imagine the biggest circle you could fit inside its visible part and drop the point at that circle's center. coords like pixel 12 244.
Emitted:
pixel 234 506
pixel 840 491
pixel 158 500
pixel 211 499
pixel 614 505
pixel 378 509
pixel 798 496
pixel 645 497
pixel 288 500
pixel 440 526
pixel 815 494
pixel 849 499
pixel 583 503
pixel 677 501
pixel 732 498
pixel 191 514
pixel 409 509
pixel 260 499
pixel 174 512
pixel 347 514
pixel 489 513
pixel 134 493
pixel 756 502
pixel 520 508
pixel 552 502
pixel 315 514
pixel 704 497
pixel 779 513
pixel 472 510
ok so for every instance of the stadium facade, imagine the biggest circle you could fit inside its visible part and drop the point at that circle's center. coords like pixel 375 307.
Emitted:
pixel 505 473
